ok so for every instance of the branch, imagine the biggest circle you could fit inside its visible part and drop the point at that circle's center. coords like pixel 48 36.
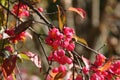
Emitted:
pixel 43 50
pixel 40 43
pixel 87 47
pixel 39 14
pixel 10 12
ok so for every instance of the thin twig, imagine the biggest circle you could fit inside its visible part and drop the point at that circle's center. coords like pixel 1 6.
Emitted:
pixel 17 67
pixel 40 43
pixel 32 30
pixel 87 47
pixel 47 72
pixel 43 49
pixel 73 67
pixel 101 47
pixel 46 58
pixel 80 61
pixel 49 63
pixel 38 13
pixel 19 73
pixel 42 23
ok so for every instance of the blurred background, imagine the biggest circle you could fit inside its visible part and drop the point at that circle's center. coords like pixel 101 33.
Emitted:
pixel 100 28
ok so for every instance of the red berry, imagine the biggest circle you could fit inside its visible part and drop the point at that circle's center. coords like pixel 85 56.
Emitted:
pixel 50 57
pixel 55 70
pixel 85 70
pixel 69 60
pixel 40 9
pixel 62 68
pixel 61 52
pixel 100 59
pixel 70 47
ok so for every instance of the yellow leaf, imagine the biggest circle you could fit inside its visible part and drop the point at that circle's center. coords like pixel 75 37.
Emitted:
pixel 61 17
pixel 106 65
pixel 59 75
pixel 80 11
pixel 81 40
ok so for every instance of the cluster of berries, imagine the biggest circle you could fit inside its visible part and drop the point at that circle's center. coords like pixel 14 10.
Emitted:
pixel 60 57
pixel 9 48
pixel 60 41
pixel 15 38
pixel 57 40
pixel 20 10
pixel 102 70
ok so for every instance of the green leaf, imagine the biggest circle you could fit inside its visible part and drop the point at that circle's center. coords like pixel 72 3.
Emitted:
pixel 23 56
pixel 2 2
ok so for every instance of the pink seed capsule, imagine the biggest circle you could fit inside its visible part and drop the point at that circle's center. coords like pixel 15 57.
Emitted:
pixel 55 70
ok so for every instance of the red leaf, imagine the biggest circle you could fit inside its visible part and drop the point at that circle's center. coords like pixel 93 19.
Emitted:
pixel 80 11
pixel 8 65
pixel 34 58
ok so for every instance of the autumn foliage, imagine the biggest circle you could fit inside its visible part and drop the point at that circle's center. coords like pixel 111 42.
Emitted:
pixel 61 40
